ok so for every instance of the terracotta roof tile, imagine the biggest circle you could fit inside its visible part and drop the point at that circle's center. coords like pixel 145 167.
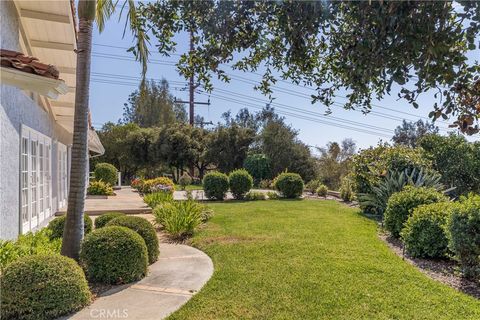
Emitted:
pixel 19 61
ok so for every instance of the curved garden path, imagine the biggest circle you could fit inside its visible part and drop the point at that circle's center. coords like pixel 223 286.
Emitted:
pixel 179 273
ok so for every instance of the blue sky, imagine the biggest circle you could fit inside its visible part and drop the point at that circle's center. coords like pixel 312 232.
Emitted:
pixel 115 75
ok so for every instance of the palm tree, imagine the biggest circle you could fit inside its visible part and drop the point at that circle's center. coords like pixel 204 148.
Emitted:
pixel 90 11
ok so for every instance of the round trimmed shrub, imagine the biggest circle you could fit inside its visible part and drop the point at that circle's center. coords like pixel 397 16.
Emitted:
pixel 57 225
pixel 425 234
pixel 401 204
pixel 240 183
pixel 290 185
pixel 144 228
pixel 322 191
pixel 106 172
pixel 102 220
pixel 215 185
pixel 114 255
pixel 184 180
pixel 42 287
pixel 464 235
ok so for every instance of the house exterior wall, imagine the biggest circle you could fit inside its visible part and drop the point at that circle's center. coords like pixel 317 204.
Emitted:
pixel 17 109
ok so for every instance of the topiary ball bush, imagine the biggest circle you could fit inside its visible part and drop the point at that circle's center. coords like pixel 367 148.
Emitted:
pixel 322 191
pixel 106 172
pixel 464 235
pixel 102 220
pixel 42 287
pixel 401 204
pixel 57 225
pixel 114 255
pixel 240 182
pixel 215 185
pixel 425 234
pixel 144 228
pixel 184 180
pixel 290 185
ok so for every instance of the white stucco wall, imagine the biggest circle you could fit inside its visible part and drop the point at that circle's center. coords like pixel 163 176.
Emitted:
pixel 17 108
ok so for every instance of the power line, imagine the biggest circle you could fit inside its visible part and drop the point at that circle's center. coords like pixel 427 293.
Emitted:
pixel 284 106
pixel 155 61
pixel 259 107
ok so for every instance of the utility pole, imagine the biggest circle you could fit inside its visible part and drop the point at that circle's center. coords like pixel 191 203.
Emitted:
pixel 192 86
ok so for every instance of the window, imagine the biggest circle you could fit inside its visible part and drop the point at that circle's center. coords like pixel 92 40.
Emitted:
pixel 35 178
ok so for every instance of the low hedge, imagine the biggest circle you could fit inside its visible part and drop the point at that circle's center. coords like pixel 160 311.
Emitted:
pixel 42 287
pixel 28 244
pixel 425 234
pixel 99 188
pixel 114 255
pixel 401 204
pixel 322 191
pixel 144 228
pixel 215 185
pixel 107 173
pixel 290 185
pixel 255 195
pixel 57 225
pixel 464 235
pixel 102 220
pixel 240 182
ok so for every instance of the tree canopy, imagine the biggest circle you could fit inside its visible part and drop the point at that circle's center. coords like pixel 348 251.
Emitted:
pixel 363 47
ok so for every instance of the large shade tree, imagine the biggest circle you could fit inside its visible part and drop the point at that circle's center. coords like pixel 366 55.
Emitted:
pixel 90 11
pixel 365 48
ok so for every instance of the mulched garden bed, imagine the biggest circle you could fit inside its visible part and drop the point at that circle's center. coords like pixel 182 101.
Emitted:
pixel 445 271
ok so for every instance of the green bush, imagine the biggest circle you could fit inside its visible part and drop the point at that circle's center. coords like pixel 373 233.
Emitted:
pixel 322 191
pixel 265 184
pixel 179 218
pixel 156 185
pixel 145 229
pixel 401 204
pixel 215 185
pixel 369 166
pixel 155 198
pixel 255 195
pixel 424 233
pixel 272 195
pixel 290 185
pixel 456 159
pixel 102 220
pixel 114 255
pixel 28 244
pixel 346 191
pixel 240 182
pixel 99 188
pixel 57 225
pixel 185 180
pixel 42 287
pixel 107 173
pixel 464 235
pixel 312 186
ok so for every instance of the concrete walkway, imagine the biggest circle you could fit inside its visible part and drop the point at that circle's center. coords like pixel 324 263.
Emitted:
pixel 126 200
pixel 180 272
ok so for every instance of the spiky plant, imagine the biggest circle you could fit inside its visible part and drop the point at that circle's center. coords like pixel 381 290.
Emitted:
pixel 395 181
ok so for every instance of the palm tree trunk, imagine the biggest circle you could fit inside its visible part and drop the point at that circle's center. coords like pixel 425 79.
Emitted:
pixel 73 231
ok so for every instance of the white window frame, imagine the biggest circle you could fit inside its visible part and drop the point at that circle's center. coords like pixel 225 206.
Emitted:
pixel 30 187
pixel 62 174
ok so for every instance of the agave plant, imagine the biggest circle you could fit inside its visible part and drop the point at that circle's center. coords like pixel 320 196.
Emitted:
pixel 395 181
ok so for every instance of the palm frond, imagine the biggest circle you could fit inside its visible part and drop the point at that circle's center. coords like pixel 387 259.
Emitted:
pixel 103 11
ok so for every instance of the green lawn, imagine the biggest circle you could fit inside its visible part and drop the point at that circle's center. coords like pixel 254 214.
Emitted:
pixel 311 260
